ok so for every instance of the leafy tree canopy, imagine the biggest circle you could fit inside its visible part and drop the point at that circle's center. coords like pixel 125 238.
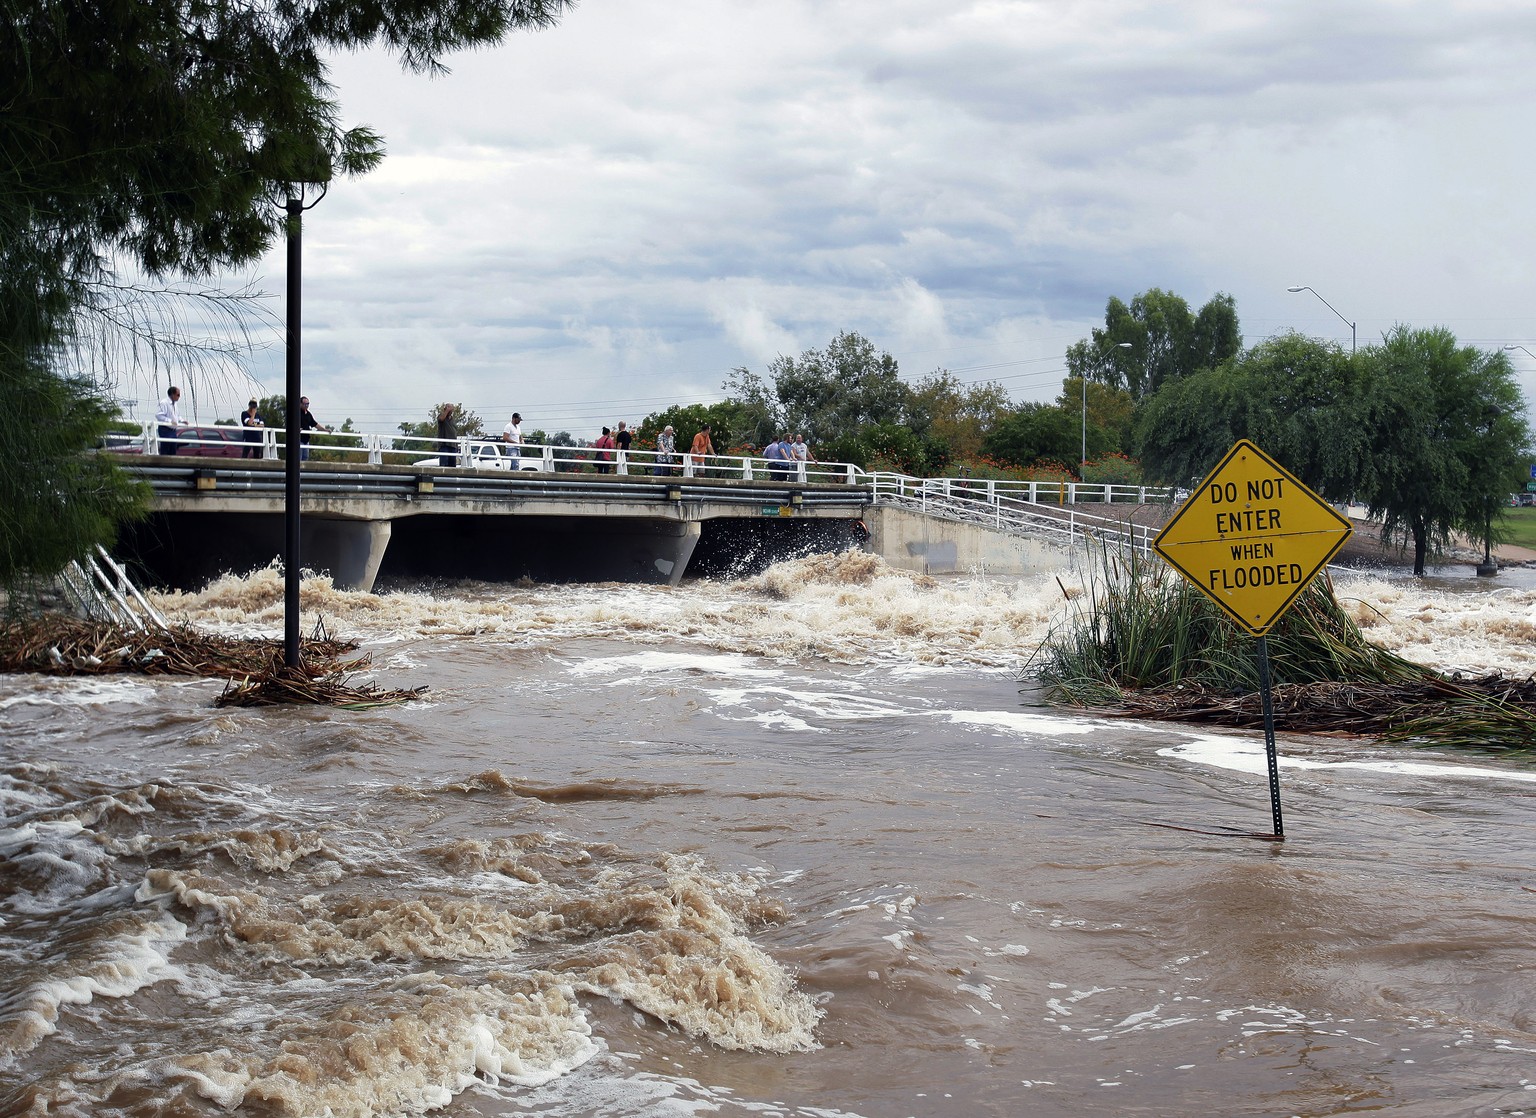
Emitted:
pixel 829 392
pixel 171 130
pixel 1447 428
pixel 1166 341
pixel 1034 433
pixel 956 414
pixel 1111 415
pixel 728 423
pixel 1296 397
pixel 164 133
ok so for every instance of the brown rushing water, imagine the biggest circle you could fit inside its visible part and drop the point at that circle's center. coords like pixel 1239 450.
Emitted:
pixel 788 846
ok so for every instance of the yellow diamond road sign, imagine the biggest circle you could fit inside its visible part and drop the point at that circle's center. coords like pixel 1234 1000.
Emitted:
pixel 1251 537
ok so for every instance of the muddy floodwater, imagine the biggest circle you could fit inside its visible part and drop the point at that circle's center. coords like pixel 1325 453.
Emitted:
pixel 792 845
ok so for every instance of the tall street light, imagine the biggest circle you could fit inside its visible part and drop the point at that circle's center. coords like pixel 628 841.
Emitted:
pixel 1084 460
pixel 1488 568
pixel 1522 349
pixel 295 208
pixel 1335 310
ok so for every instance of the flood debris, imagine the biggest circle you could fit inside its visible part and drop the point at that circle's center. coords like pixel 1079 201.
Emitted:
pixel 56 644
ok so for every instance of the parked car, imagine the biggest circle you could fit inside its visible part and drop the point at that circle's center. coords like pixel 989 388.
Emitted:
pixel 212 441
pixel 489 456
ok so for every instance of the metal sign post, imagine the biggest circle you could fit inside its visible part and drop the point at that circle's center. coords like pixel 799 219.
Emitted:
pixel 1270 755
pixel 1251 538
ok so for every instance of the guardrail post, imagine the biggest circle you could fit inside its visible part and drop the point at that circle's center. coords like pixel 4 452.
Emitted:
pixel 621 463
pixel 374 445
pixel 746 468
pixel 269 442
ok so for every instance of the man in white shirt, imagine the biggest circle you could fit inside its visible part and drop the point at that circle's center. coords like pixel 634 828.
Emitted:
pixel 512 439
pixel 167 419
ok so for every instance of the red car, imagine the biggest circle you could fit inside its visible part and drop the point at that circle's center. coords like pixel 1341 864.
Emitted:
pixel 211 441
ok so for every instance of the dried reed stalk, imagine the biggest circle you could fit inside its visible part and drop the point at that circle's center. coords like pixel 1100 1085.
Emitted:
pixel 61 645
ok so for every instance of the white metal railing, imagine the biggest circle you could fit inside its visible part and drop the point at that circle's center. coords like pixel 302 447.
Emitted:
pixel 1017 506
pixel 1001 503
pixel 100 589
pixel 226 441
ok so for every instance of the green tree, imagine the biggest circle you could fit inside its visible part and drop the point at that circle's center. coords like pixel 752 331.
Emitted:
pixel 755 417
pixel 1448 427
pixel 1111 416
pixel 59 501
pixel 955 414
pixel 729 425
pixel 1036 433
pixel 1296 397
pixel 829 392
pixel 165 134
pixel 888 446
pixel 1167 342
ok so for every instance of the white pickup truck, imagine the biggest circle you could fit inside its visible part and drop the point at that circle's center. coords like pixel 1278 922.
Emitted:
pixel 489 456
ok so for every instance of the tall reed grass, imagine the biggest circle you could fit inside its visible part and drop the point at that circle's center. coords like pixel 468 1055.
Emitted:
pixel 1143 642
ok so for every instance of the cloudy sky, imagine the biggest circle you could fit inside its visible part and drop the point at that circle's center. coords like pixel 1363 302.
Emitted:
pixel 597 221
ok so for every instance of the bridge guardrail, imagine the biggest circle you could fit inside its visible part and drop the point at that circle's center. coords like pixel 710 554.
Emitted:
pixel 1000 503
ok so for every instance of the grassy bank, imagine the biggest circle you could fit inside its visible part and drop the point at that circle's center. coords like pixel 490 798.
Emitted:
pixel 1518 526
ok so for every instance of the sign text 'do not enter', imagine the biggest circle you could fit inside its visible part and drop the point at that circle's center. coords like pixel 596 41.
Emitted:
pixel 1251 537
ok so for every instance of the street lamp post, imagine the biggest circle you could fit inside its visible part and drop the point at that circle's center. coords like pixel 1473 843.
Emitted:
pixel 1521 348
pixel 1084 460
pixel 295 209
pixel 1488 568
pixel 1335 310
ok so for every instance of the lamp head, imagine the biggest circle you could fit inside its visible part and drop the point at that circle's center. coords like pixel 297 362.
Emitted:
pixel 1295 289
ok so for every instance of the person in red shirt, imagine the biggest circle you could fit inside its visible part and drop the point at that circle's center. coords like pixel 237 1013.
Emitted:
pixel 604 447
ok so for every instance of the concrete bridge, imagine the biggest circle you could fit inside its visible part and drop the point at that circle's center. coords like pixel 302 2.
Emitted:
pixel 362 521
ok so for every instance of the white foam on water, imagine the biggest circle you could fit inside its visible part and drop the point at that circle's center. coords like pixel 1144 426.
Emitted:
pixel 77 691
pixel 1248 756
pixel 726 665
pixel 1469 629
pixel 849 608
pixel 114 967
pixel 783 707
pixel 1022 722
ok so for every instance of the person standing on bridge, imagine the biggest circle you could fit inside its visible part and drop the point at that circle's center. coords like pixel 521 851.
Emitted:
pixel 167 419
pixel 447 431
pixel 307 423
pixel 703 446
pixel 604 447
pixel 779 456
pixel 512 440
pixel 253 424
pixel 799 450
pixel 666 451
pixel 621 439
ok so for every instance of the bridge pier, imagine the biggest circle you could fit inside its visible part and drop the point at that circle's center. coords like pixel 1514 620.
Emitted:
pixel 350 549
